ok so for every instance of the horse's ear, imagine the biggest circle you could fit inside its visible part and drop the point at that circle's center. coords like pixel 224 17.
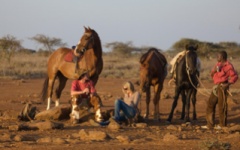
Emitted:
pixel 85 29
pixel 89 28
pixel 186 46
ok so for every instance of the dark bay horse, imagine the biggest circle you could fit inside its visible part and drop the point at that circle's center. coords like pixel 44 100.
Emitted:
pixel 152 73
pixel 186 83
pixel 89 51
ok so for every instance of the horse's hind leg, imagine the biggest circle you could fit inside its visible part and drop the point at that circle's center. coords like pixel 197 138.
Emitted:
pixel 157 91
pixel 50 91
pixel 62 84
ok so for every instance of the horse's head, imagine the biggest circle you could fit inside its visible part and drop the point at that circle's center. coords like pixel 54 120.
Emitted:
pixel 191 59
pixel 86 42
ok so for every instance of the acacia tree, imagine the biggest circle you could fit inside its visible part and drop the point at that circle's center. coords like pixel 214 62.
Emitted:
pixel 48 42
pixel 119 48
pixel 8 47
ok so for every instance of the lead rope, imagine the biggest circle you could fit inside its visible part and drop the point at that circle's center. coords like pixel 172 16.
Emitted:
pixel 191 79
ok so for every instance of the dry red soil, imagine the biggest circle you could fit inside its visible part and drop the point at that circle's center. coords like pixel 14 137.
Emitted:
pixel 15 92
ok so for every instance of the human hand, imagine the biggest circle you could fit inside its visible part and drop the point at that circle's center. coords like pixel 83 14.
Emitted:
pixel 86 90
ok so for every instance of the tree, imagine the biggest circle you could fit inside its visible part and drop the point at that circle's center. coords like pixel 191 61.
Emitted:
pixel 8 47
pixel 119 48
pixel 48 42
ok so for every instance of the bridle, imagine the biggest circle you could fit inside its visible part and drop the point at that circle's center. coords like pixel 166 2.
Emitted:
pixel 78 52
pixel 188 71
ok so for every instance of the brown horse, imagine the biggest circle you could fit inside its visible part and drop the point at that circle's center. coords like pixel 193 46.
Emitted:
pixel 94 102
pixel 89 52
pixel 152 73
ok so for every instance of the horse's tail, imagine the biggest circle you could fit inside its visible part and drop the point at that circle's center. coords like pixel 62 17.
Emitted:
pixel 45 89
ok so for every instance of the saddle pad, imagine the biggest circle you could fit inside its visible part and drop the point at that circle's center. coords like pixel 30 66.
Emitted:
pixel 69 56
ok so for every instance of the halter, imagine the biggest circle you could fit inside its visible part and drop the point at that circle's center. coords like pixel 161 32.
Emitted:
pixel 188 70
pixel 85 48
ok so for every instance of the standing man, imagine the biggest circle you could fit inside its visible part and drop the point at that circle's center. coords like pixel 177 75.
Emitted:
pixel 223 75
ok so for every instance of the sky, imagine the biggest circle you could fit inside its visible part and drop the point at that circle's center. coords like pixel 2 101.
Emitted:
pixel 152 23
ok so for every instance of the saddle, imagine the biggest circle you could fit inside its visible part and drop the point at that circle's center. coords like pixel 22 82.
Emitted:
pixel 28 112
pixel 70 57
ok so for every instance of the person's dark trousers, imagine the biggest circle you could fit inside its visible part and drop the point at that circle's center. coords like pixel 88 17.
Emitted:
pixel 221 100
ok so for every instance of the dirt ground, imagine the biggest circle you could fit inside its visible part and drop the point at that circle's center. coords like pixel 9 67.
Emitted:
pixel 15 92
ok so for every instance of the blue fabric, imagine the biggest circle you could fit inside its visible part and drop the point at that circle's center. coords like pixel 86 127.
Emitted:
pixel 123 111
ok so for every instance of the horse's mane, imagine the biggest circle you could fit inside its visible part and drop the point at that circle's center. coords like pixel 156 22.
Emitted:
pixel 144 56
pixel 97 41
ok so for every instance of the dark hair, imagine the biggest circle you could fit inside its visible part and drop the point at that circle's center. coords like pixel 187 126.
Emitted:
pixel 83 74
pixel 223 54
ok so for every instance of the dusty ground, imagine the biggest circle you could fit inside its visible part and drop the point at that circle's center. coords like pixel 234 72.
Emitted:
pixel 15 92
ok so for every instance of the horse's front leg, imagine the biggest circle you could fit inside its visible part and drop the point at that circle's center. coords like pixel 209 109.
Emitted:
pixel 193 97
pixel 183 95
pixel 148 97
pixel 187 109
pixel 174 104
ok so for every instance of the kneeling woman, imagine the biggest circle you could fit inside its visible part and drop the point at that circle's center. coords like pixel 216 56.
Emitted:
pixel 126 108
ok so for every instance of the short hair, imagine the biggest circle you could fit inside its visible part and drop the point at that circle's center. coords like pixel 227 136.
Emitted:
pixel 223 54
pixel 83 74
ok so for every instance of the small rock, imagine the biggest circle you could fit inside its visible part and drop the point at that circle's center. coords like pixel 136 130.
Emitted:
pixel 179 128
pixel 13 128
pixel 184 136
pixel 59 141
pixel 124 139
pixel 94 123
pixel 113 125
pixel 18 138
pixel 234 128
pixel 141 125
pixel 5 137
pixel 98 135
pixel 170 137
pixel 93 135
pixel 172 127
pixel 44 140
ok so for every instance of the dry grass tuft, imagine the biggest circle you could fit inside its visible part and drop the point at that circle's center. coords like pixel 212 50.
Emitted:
pixel 35 66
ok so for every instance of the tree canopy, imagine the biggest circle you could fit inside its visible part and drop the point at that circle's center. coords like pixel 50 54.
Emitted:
pixel 48 42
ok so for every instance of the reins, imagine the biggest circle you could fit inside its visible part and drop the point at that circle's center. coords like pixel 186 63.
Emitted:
pixel 82 52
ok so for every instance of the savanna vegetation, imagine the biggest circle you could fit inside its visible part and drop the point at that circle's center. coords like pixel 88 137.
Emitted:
pixel 122 61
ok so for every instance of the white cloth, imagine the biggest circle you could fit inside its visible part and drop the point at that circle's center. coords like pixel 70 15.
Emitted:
pixel 181 54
